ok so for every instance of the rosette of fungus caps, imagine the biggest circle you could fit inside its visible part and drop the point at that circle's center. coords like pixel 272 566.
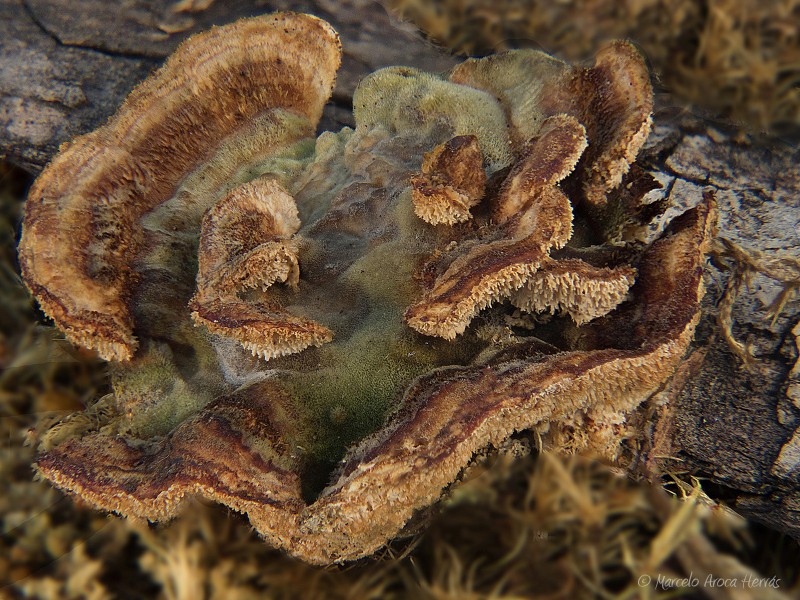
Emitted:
pixel 323 333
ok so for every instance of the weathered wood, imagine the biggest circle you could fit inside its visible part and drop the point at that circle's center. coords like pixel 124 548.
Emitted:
pixel 738 426
pixel 66 65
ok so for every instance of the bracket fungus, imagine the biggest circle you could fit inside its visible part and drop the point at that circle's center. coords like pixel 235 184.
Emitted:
pixel 304 329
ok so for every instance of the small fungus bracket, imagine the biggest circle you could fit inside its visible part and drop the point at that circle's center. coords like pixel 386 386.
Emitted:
pixel 246 242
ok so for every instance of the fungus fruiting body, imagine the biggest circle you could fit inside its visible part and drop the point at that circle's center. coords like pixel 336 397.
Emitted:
pixel 304 329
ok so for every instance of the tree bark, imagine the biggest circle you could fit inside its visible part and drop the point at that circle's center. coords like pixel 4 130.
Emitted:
pixel 735 425
pixel 65 66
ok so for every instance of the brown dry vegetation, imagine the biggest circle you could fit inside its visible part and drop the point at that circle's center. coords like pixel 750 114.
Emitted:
pixel 735 58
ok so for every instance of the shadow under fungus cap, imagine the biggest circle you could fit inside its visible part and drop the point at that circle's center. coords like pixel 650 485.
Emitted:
pixel 323 333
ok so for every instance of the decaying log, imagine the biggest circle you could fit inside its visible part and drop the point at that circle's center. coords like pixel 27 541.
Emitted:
pixel 66 66
pixel 737 425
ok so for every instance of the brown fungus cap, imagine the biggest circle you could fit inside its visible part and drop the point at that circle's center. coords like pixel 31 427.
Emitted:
pixel 246 242
pixel 234 232
pixel 576 288
pixel 451 182
pixel 81 227
pixel 613 100
pixel 546 159
pixel 266 331
pixel 532 215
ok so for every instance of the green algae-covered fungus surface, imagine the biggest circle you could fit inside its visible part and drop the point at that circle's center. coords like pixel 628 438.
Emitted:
pixel 323 333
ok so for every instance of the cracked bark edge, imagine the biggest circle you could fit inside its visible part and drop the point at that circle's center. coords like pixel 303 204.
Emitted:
pixel 738 428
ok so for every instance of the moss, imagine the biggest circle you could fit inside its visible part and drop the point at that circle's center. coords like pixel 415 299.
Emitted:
pixel 374 358
pixel 403 99
pixel 154 397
